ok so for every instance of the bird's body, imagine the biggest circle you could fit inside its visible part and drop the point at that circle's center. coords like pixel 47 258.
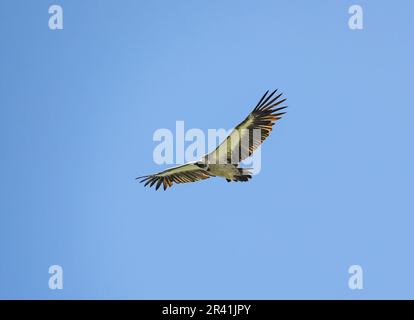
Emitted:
pixel 224 160
pixel 228 171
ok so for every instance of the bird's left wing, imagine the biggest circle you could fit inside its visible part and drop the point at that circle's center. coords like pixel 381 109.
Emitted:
pixel 181 174
pixel 250 133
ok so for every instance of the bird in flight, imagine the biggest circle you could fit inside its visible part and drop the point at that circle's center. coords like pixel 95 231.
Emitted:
pixel 225 159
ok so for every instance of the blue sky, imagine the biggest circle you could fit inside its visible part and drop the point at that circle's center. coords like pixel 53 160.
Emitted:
pixel 79 106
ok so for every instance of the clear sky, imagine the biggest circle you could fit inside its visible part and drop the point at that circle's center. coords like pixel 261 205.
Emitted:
pixel 79 106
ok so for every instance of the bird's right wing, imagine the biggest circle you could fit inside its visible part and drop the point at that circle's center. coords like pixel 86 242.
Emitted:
pixel 248 135
pixel 181 174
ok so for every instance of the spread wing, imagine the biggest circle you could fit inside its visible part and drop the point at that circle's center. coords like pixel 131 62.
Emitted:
pixel 249 134
pixel 181 174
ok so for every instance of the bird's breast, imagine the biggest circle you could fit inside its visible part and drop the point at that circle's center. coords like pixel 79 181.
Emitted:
pixel 223 170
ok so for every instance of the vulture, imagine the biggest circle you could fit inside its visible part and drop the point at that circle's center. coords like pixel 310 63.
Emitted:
pixel 224 161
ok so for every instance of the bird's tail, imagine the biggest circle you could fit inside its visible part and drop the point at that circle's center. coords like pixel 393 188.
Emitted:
pixel 244 175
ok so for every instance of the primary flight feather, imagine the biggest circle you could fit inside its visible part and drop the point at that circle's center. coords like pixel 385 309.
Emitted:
pixel 224 160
